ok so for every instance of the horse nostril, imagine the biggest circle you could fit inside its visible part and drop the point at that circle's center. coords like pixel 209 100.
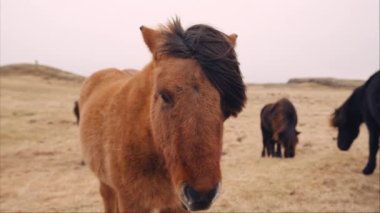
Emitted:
pixel 190 193
pixel 199 200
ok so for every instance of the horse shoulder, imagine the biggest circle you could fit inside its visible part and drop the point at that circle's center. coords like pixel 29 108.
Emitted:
pixel 266 116
pixel 96 96
pixel 127 130
pixel 266 110
pixel 99 80
pixel 373 98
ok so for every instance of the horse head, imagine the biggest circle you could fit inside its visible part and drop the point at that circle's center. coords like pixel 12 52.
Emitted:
pixel 290 140
pixel 347 131
pixel 197 85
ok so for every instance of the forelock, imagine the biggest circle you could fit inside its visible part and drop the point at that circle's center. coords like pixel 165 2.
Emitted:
pixel 215 54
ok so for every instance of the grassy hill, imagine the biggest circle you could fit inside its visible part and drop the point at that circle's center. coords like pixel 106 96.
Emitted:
pixel 331 82
pixel 43 71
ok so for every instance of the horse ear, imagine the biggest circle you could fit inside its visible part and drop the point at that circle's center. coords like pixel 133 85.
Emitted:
pixel 151 38
pixel 232 38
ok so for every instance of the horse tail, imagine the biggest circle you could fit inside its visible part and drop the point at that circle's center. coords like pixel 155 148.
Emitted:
pixel 76 111
pixel 77 115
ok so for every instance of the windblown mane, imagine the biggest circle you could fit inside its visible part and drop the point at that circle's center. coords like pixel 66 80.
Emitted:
pixel 216 56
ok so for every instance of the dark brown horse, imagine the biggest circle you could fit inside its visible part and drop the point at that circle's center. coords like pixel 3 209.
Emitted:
pixel 362 106
pixel 76 111
pixel 278 126
pixel 154 138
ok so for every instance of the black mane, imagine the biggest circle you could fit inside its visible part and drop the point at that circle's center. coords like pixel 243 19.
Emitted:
pixel 216 56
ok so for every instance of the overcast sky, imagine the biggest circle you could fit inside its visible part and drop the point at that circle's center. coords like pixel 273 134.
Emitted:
pixel 278 39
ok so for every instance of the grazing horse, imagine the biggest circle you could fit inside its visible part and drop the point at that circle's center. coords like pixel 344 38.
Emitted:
pixel 362 106
pixel 278 126
pixel 154 138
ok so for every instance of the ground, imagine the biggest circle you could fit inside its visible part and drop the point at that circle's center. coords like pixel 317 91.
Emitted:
pixel 41 171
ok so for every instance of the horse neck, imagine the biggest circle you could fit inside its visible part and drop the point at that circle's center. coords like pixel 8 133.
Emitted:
pixel 354 105
pixel 143 80
pixel 137 92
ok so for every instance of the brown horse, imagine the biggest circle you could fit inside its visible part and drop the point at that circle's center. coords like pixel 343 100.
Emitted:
pixel 154 138
pixel 278 126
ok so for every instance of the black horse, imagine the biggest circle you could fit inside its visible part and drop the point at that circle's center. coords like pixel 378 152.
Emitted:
pixel 362 106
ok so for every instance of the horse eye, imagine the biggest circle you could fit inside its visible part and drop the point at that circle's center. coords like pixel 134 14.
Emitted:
pixel 165 97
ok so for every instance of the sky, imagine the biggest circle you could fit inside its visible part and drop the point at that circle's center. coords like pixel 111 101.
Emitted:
pixel 277 39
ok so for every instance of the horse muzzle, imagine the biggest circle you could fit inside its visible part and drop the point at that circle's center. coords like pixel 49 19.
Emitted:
pixel 194 200
pixel 343 147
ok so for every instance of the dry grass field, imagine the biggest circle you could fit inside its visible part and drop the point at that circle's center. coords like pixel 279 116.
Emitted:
pixel 40 156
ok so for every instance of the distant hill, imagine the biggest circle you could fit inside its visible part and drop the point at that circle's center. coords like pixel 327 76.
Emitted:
pixel 43 71
pixel 331 82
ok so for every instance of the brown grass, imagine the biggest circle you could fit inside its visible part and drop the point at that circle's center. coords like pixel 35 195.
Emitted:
pixel 42 71
pixel 40 156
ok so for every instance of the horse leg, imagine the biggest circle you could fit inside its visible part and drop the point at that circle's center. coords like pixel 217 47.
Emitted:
pixel 263 152
pixel 271 147
pixel 109 198
pixel 266 147
pixel 373 148
pixel 265 140
pixel 278 151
